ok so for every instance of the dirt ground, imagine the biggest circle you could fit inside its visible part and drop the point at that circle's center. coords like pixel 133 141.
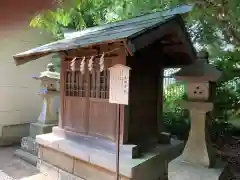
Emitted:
pixel 11 167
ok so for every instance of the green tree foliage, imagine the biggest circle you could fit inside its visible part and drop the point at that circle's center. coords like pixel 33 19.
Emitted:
pixel 215 22
pixel 212 22
pixel 228 88
pixel 78 15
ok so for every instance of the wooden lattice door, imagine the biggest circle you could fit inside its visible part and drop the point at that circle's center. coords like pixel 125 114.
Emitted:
pixel 102 115
pixel 86 106
pixel 76 99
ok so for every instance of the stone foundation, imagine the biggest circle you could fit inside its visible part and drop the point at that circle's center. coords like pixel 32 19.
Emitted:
pixel 57 164
pixel 29 144
pixel 28 151
pixel 29 147
pixel 12 134
pixel 54 172
pixel 61 155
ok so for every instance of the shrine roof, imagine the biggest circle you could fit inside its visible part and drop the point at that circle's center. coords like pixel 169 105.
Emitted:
pixel 117 31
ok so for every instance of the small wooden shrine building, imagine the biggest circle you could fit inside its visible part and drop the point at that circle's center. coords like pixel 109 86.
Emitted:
pixel 147 44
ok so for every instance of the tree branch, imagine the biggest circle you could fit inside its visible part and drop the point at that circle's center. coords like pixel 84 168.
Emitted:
pixel 232 35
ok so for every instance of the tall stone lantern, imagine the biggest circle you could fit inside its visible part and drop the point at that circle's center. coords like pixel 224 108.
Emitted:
pixel 49 91
pixel 198 155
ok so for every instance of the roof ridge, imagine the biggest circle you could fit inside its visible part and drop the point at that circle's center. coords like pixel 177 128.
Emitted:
pixel 163 14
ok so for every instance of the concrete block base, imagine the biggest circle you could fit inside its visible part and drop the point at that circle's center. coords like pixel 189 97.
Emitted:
pixel 38 128
pixel 28 157
pixel 180 170
pixel 53 172
pixel 86 161
pixel 29 145
pixel 12 134
pixel 28 151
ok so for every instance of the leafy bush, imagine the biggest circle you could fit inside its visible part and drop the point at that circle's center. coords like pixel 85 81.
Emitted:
pixel 175 118
pixel 227 101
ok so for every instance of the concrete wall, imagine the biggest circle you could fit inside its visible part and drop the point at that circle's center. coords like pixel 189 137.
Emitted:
pixel 19 102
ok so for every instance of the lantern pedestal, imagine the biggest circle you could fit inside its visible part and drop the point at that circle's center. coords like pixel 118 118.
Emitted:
pixel 48 116
pixel 197 156
pixel 196 151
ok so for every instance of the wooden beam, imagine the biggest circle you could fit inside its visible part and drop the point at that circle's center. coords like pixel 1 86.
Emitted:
pixel 127 48
pixel 174 48
pixel 156 33
pixel 62 89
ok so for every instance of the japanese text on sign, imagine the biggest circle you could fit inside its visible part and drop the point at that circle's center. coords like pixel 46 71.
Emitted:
pixel 119 84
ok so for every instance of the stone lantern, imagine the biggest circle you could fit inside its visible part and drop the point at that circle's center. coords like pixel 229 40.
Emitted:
pixel 49 91
pixel 198 155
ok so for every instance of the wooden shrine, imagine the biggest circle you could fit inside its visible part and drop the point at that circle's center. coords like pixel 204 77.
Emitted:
pixel 147 44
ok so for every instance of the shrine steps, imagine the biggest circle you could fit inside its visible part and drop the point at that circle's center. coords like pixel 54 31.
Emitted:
pixel 67 140
pixel 88 159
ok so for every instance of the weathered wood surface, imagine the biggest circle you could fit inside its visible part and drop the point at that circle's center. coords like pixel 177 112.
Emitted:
pixel 85 93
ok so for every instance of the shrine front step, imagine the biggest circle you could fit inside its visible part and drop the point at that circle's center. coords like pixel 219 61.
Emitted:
pixel 89 163
pixel 90 143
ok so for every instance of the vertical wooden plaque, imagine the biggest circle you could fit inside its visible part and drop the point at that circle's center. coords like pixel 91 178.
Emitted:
pixel 119 84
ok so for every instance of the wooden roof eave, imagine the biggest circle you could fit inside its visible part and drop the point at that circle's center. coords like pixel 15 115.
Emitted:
pixel 22 59
pixel 133 42
pixel 132 38
pixel 26 57
pixel 188 42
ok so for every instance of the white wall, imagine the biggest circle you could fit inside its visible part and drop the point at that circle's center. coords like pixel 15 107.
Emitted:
pixel 19 102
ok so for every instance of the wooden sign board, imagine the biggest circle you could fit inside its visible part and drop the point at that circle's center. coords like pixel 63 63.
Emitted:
pixel 119 84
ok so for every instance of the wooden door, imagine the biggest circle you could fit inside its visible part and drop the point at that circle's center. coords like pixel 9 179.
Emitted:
pixel 102 115
pixel 86 106
pixel 75 100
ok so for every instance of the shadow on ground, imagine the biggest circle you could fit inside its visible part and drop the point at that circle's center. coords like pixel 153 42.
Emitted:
pixel 12 167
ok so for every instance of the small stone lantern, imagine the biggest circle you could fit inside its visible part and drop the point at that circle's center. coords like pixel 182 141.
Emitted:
pixel 200 79
pixel 48 116
pixel 49 92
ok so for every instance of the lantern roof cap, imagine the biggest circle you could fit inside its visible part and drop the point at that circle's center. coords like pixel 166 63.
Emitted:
pixel 50 73
pixel 201 70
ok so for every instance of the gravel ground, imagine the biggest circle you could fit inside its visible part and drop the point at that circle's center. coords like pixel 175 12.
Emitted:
pixel 13 168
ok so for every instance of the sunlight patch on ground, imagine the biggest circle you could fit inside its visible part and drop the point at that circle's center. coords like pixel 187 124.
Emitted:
pixel 39 176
